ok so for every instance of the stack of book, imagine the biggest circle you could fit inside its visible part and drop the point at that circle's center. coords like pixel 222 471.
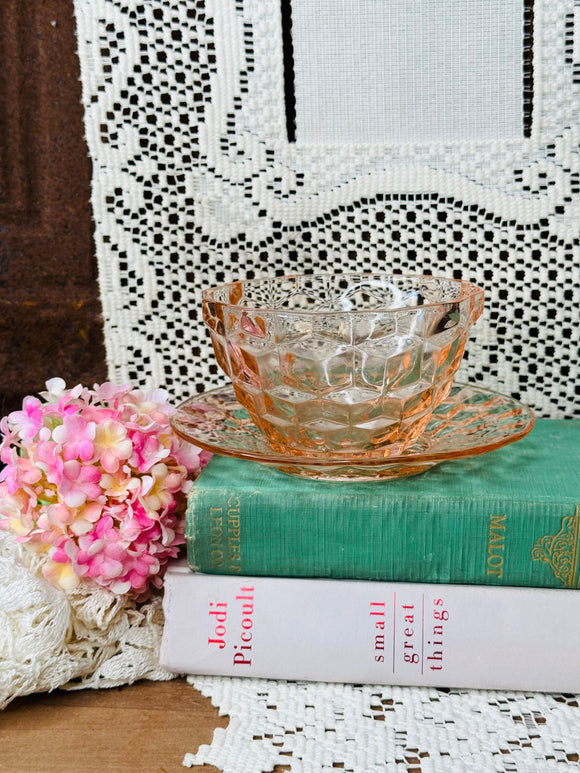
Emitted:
pixel 464 576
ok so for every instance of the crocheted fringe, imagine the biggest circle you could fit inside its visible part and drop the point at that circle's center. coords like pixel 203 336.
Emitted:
pixel 84 638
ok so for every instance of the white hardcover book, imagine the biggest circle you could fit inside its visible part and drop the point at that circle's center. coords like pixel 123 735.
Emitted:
pixel 474 636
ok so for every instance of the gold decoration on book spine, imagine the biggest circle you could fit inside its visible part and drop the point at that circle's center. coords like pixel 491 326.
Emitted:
pixel 560 550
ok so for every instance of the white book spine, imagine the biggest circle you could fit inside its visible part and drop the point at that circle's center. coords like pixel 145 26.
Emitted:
pixel 474 636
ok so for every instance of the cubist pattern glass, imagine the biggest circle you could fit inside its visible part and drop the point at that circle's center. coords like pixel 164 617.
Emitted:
pixel 341 363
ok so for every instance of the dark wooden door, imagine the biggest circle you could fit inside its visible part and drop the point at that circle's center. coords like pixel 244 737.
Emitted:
pixel 50 323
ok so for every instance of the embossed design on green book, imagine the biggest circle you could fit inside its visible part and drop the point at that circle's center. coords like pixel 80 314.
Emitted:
pixel 560 550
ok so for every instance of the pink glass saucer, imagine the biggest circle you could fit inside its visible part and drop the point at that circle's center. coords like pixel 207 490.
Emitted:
pixel 472 421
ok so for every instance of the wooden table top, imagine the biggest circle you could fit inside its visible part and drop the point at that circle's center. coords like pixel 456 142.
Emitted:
pixel 147 727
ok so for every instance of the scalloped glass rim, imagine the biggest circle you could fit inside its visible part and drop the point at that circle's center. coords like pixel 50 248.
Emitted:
pixel 466 290
pixel 471 421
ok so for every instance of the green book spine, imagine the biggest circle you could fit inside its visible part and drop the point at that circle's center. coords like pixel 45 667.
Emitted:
pixel 510 517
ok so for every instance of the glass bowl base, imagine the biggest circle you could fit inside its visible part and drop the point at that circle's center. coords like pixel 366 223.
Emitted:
pixel 353 472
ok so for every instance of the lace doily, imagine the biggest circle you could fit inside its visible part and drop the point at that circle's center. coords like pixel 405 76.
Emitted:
pixel 319 728
pixel 88 637
pixel 195 182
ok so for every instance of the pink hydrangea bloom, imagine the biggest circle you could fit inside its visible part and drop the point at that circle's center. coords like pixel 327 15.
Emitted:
pixel 29 419
pixel 113 444
pixel 48 458
pixel 19 472
pixel 96 479
pixel 79 483
pixel 76 435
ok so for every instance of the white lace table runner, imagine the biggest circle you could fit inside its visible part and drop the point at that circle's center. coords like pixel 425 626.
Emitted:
pixel 322 728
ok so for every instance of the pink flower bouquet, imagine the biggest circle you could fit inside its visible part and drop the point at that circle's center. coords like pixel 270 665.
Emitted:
pixel 96 479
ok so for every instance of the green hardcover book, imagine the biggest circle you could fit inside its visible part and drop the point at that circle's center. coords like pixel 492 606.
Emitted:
pixel 509 517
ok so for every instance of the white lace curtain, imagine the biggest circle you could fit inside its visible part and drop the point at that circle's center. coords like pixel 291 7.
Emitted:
pixel 188 106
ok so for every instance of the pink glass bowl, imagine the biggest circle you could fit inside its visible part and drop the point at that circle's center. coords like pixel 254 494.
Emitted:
pixel 327 364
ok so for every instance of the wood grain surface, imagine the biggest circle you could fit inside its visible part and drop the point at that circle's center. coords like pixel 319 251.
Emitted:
pixel 147 727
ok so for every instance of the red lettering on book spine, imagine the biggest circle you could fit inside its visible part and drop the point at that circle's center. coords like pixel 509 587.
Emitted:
pixel 218 614
pixel 410 655
pixel 436 642
pixel 377 612
pixel 242 656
